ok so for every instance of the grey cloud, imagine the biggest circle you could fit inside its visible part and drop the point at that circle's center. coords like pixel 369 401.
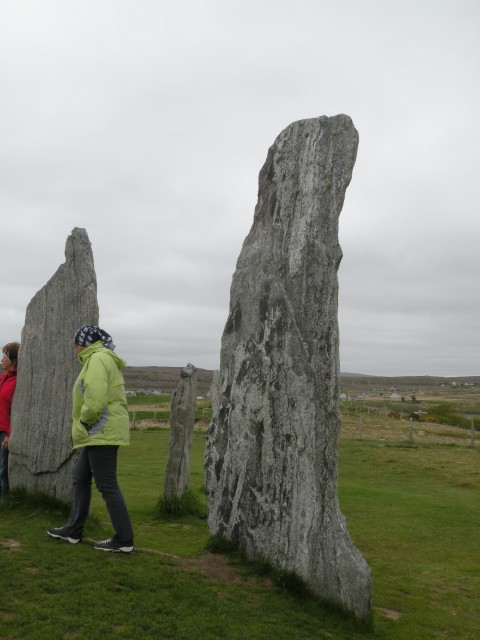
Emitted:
pixel 147 124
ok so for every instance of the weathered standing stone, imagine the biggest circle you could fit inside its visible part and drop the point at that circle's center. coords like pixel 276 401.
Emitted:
pixel 182 420
pixel 271 457
pixel 41 457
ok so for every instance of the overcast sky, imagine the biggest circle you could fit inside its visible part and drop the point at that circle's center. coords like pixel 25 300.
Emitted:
pixel 146 122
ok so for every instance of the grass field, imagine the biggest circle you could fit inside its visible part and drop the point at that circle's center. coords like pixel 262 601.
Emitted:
pixel 412 510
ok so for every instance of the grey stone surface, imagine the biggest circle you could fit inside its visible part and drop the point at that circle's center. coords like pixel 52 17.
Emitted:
pixel 271 455
pixel 182 421
pixel 41 457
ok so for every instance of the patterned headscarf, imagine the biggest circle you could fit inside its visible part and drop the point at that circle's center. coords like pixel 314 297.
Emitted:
pixel 89 333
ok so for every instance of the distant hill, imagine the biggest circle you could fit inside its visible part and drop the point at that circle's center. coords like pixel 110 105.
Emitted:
pixel 407 380
pixel 166 379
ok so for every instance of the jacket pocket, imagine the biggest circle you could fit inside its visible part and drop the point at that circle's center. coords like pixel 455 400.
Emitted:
pixel 99 424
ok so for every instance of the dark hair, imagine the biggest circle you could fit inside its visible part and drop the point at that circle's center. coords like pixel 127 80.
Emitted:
pixel 11 351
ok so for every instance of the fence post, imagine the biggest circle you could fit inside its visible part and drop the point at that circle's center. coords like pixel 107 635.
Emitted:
pixel 472 433
pixel 411 430
pixel 134 416
pixel 360 426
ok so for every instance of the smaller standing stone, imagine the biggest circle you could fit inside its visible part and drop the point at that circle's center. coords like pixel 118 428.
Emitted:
pixel 41 456
pixel 182 420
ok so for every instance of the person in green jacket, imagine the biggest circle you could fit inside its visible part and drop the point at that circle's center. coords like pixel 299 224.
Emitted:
pixel 100 425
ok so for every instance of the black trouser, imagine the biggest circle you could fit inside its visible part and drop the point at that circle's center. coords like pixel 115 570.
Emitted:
pixel 101 463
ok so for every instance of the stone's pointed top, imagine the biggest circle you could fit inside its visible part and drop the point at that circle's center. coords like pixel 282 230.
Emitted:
pixel 77 231
pixel 78 235
pixel 187 371
pixel 340 122
pixel 76 244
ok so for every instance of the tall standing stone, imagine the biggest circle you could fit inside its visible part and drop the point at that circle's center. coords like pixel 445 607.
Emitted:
pixel 271 456
pixel 182 421
pixel 41 457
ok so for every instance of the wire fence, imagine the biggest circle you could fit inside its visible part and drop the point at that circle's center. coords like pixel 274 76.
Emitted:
pixel 380 426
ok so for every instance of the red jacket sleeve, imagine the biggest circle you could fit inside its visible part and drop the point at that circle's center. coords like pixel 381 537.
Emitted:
pixel 7 391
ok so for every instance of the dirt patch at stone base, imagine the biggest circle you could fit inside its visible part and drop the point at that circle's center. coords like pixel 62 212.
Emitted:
pixel 217 568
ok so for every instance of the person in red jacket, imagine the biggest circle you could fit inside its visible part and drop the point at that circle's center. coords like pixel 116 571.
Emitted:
pixel 8 381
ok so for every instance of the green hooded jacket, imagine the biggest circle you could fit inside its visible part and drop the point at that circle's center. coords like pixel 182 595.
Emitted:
pixel 99 410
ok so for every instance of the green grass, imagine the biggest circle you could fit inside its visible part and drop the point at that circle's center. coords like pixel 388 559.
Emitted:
pixel 148 399
pixel 412 511
pixel 203 408
pixel 149 415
